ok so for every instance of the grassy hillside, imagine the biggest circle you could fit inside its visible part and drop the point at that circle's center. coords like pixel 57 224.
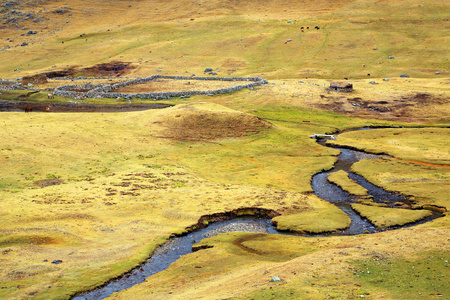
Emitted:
pixel 236 37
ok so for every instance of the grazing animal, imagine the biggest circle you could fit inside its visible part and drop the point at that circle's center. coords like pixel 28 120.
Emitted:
pixel 47 108
pixel 363 65
pixel 317 27
pixel 28 109
pixel 50 96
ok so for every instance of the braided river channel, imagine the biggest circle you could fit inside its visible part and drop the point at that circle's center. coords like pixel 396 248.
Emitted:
pixel 173 249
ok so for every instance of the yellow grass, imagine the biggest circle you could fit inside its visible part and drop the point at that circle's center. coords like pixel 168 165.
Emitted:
pixel 124 189
pixel 238 38
pixel 426 185
pixel 341 179
pixel 126 183
pixel 427 145
pixel 241 265
pixel 388 217
pixel 317 221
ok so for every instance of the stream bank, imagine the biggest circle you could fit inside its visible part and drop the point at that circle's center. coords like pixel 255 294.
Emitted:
pixel 208 226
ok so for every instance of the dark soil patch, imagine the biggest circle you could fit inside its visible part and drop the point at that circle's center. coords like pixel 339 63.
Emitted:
pixel 74 107
pixel 114 68
pixel 64 73
pixel 48 182
pixel 111 69
pixel 39 78
pixel 401 109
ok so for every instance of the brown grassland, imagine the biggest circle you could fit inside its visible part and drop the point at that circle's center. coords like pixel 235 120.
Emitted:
pixel 100 191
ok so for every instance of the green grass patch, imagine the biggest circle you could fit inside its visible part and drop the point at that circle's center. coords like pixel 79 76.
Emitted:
pixel 422 276
pixel 387 217
pixel 425 184
pixel 341 179
pixel 428 145
pixel 316 221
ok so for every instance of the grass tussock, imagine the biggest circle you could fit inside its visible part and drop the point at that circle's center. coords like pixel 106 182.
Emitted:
pixel 341 179
pixel 316 221
pixel 385 217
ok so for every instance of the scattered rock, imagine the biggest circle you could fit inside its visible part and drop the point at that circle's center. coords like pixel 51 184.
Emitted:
pixel 57 261
pixel 275 279
pixel 61 10
pixel 341 87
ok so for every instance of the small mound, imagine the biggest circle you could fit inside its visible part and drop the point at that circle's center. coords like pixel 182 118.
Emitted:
pixel 48 182
pixel 206 121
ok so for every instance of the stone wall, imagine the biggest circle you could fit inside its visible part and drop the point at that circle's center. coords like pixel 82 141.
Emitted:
pixel 106 90
pixel 7 85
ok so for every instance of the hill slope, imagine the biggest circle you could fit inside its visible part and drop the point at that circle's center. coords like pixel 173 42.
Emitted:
pixel 236 37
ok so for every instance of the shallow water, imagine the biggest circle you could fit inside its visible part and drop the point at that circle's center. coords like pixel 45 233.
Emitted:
pixel 172 250
pixel 20 106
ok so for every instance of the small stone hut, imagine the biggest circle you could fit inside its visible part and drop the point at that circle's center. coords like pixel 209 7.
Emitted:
pixel 342 87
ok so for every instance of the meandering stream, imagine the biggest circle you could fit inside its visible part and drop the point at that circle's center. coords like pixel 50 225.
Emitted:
pixel 178 246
